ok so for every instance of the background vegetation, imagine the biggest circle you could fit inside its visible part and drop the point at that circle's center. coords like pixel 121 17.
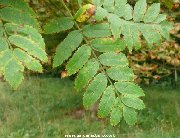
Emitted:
pixel 47 107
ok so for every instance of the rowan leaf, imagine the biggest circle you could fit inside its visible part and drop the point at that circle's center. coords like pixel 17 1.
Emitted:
pixel 129 88
pixel 28 61
pixel 113 59
pixel 121 73
pixel 95 90
pixel 139 10
pixel 133 102
pixel 130 115
pixel 65 48
pixel 27 31
pixel 29 46
pixel 98 30
pixel 58 25
pixel 109 5
pixel 86 74
pixel 106 102
pixel 116 113
pixel 101 13
pixel 17 16
pixel 152 13
pixel 3 44
pixel 13 73
pixel 78 60
pixel 128 12
pixel 108 45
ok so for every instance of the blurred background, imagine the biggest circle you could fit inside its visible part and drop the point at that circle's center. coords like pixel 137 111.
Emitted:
pixel 46 106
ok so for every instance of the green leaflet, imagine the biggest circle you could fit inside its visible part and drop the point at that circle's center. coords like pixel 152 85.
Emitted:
pixel 78 60
pixel 130 115
pixel 160 18
pixel 3 44
pixel 18 17
pixel 19 4
pixel 113 59
pixel 28 45
pixel 150 34
pixel 152 13
pixel 30 62
pixel 97 2
pixel 98 30
pixel 115 24
pixel 116 113
pixel 108 45
pixel 109 5
pixel 106 102
pixel 100 14
pixel 139 10
pixel 94 90
pixel 13 73
pixel 131 36
pixel 121 73
pixel 120 7
pixel 65 48
pixel 86 74
pixel 129 88
pixel 133 102
pixel 59 24
pixel 5 57
pixel 26 31
pixel 164 29
pixel 128 12
pixel 120 3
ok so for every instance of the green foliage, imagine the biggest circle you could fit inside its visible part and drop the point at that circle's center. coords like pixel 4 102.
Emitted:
pixel 102 68
pixel 94 51
pixel 21 44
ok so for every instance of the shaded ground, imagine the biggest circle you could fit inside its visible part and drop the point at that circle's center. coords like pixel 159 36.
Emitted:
pixel 50 108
